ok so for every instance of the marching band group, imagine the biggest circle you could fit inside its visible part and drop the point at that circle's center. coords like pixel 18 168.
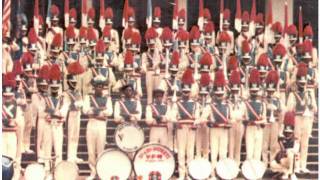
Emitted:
pixel 205 90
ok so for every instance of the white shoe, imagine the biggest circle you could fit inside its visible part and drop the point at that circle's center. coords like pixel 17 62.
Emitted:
pixel 285 176
pixel 297 170
pixel 28 151
pixel 293 177
pixel 305 170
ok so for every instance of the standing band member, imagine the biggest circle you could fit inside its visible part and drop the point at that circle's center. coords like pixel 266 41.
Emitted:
pixel 74 101
pixel 186 113
pixel 98 107
pixel 157 116
pixel 256 118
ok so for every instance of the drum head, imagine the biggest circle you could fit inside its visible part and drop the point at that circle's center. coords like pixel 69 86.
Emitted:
pixel 35 171
pixel 66 170
pixel 253 169
pixel 113 162
pixel 154 158
pixel 129 137
pixel 227 169
pixel 7 167
pixel 199 168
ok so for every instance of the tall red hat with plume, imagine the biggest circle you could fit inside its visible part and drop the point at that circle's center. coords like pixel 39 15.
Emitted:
pixel 91 15
pixel 246 49
pixel 108 15
pixel 157 15
pixel 135 41
pixel 289 121
pixel 279 51
pixel 166 36
pixel 263 63
pixel 55 75
pixel 187 80
pixel 74 69
pixel 254 80
pixel 175 60
pixel 8 84
pixel 73 15
pixel 182 38
pixel 302 73
pixel 232 64
pixel 235 80
pixel 70 35
pixel 33 39
pixel 195 36
pixel 307 49
pixel 43 76
pixel 54 10
pixel 92 36
pixel 56 44
pixel 181 16
pixel 151 35
pixel 208 29
pixel 219 82
pixel 128 61
pixel 131 14
pixel 106 34
pixel 100 49
pixel 205 62
pixel 205 81
pixel 272 80
pixel 27 61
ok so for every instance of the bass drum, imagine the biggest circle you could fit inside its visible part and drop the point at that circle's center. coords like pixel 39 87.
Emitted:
pixel 253 169
pixel 113 164
pixel 227 169
pixel 199 168
pixel 7 167
pixel 154 160
pixel 129 137
pixel 35 171
pixel 66 170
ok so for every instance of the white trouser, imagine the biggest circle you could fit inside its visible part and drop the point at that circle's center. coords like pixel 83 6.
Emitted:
pixel 20 131
pixel 218 145
pixel 235 139
pixel 254 138
pixel 202 142
pixel 302 131
pixel 270 142
pixel 53 137
pixel 152 82
pixel 96 140
pixel 29 123
pixel 186 143
pixel 41 132
pixel 159 135
pixel 73 134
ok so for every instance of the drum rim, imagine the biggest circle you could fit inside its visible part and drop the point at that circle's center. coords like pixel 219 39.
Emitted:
pixel 150 144
pixel 63 161
pixel 114 149
pixel 34 163
pixel 128 123
pixel 223 160
pixel 189 174
pixel 248 161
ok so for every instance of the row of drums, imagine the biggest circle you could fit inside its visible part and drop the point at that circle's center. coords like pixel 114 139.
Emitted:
pixel 148 161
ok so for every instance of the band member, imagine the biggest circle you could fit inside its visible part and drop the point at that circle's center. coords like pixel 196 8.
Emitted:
pixel 156 22
pixel 196 53
pixel 217 115
pixel 257 40
pixel 29 85
pixel 98 107
pixel 114 40
pixel 181 20
pixel 263 66
pixel 238 113
pixel 224 50
pixel 71 54
pixel 128 108
pixel 186 114
pixel 308 35
pixel 54 28
pixel 209 39
pixel 292 41
pixel 39 103
pixel 9 114
pixel 182 43
pixel 285 159
pixel 206 64
pixel 151 60
pixel 126 39
pixel 56 111
pixel 74 102
pixel 304 104
pixel 202 139
pixel 274 115
pixel 130 76
pixel 244 34
pixel 157 116
pixel 35 47
pixel 110 53
pixel 226 28
pixel 91 20
pixel 256 119
pixel 131 25
pixel 206 21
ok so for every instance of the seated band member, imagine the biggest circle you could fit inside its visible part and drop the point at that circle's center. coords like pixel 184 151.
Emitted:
pixel 98 107
pixel 157 116
pixel 285 158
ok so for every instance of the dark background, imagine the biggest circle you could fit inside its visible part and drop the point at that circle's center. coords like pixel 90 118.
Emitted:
pixel 310 11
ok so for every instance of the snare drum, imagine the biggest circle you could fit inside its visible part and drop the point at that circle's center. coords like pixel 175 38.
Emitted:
pixel 199 168
pixel 129 137
pixel 35 171
pixel 227 169
pixel 66 170
pixel 154 160
pixel 113 164
pixel 253 169
pixel 7 167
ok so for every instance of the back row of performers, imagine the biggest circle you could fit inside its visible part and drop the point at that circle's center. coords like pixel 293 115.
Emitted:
pixel 214 89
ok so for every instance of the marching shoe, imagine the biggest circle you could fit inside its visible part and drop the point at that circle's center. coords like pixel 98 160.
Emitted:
pixel 293 177
pixel 305 170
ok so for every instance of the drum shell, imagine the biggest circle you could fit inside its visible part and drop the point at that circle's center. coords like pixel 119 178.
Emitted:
pixel 148 146
pixel 253 169
pixel 113 150
pixel 227 169
pixel 204 166
pixel 124 125
pixel 66 171
pixel 7 167
pixel 35 171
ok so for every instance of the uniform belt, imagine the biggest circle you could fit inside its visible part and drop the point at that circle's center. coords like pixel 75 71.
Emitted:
pixel 13 129
pixel 159 125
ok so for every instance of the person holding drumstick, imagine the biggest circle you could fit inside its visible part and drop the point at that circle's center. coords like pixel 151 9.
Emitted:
pixel 98 107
